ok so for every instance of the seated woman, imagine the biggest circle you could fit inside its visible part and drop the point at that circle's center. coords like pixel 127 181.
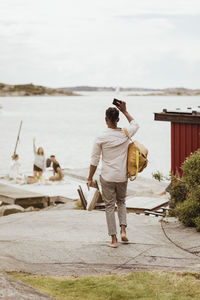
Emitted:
pixel 57 172
pixel 39 165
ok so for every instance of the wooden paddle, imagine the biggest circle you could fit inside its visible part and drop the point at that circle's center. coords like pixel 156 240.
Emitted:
pixel 17 141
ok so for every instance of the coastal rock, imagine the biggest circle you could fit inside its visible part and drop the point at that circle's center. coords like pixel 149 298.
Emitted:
pixel 30 208
pixel 6 210
pixel 32 90
pixel 11 288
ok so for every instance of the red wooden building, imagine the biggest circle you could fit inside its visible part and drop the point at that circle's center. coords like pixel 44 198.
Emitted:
pixel 185 134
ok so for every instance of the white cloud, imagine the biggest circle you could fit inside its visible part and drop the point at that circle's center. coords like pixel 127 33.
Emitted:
pixel 115 42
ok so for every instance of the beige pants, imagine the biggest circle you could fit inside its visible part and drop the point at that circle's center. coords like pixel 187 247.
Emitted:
pixel 114 192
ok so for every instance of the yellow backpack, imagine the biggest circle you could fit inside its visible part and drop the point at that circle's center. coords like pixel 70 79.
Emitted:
pixel 137 157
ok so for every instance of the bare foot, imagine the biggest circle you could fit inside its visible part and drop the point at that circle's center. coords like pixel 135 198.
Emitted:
pixel 124 237
pixel 123 234
pixel 113 245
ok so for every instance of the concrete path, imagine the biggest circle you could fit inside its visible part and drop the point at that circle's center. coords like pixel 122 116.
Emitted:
pixel 186 238
pixel 74 242
pixel 12 289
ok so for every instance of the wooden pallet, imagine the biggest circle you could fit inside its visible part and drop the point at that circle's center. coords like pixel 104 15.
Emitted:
pixel 13 195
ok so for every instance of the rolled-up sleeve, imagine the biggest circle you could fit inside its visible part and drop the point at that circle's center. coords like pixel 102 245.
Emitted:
pixel 96 153
pixel 133 128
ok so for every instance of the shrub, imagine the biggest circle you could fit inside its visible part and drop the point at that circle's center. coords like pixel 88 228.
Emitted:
pixel 188 211
pixel 178 192
pixel 191 169
pixel 194 193
pixel 197 223
pixel 28 89
pixel 185 193
pixel 2 85
pixel 158 176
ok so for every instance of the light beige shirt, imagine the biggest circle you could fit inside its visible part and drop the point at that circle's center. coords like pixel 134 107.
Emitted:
pixel 112 145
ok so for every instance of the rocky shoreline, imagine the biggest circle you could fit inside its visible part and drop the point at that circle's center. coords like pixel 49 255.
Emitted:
pixel 20 90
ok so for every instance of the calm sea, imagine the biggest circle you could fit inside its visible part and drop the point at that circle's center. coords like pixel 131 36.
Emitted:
pixel 67 126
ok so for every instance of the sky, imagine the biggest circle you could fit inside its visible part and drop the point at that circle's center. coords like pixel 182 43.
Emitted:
pixel 128 43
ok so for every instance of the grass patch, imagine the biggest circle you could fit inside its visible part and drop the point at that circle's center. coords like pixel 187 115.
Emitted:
pixel 79 204
pixel 141 285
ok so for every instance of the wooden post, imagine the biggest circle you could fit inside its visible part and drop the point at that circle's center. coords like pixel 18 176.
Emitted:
pixel 17 141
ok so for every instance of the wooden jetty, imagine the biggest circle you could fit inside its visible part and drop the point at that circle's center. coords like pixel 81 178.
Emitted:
pixel 24 198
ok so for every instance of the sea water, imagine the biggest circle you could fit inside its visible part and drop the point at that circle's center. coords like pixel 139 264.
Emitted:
pixel 67 127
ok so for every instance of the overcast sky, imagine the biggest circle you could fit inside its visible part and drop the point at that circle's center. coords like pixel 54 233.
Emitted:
pixel 138 43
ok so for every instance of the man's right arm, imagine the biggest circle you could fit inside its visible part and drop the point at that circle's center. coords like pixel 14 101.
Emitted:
pixel 91 174
pixel 122 108
pixel 133 127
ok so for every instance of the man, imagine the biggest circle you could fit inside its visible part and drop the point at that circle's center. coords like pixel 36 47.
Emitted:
pixel 112 145
pixel 57 172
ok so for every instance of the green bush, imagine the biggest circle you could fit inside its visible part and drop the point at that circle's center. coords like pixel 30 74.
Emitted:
pixel 188 211
pixel 197 223
pixel 28 88
pixel 178 192
pixel 194 193
pixel 2 85
pixel 158 176
pixel 191 169
pixel 185 193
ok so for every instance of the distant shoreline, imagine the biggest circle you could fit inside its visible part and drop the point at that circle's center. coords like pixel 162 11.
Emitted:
pixel 25 90
pixel 22 90
pixel 165 94
pixel 138 91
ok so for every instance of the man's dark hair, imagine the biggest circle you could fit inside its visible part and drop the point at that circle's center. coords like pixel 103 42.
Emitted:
pixel 112 114
pixel 52 156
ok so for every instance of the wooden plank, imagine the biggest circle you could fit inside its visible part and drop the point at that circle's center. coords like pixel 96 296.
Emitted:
pixel 156 214
pixel 39 202
pixel 82 197
pixel 15 193
pixel 177 118
pixel 145 203
pixel 177 148
pixel 7 200
pixel 135 210
pixel 173 168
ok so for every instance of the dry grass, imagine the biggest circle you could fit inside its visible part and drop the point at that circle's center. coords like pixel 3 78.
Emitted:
pixel 141 285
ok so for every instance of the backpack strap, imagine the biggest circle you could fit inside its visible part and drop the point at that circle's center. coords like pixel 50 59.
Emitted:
pixel 126 133
pixel 136 156
pixel 137 166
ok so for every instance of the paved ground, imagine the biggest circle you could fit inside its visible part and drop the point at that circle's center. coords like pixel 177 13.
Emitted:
pixel 12 289
pixel 73 242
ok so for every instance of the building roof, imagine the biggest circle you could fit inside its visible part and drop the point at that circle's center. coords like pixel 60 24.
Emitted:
pixel 189 115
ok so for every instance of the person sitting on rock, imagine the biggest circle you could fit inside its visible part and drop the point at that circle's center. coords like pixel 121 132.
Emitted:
pixel 57 172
